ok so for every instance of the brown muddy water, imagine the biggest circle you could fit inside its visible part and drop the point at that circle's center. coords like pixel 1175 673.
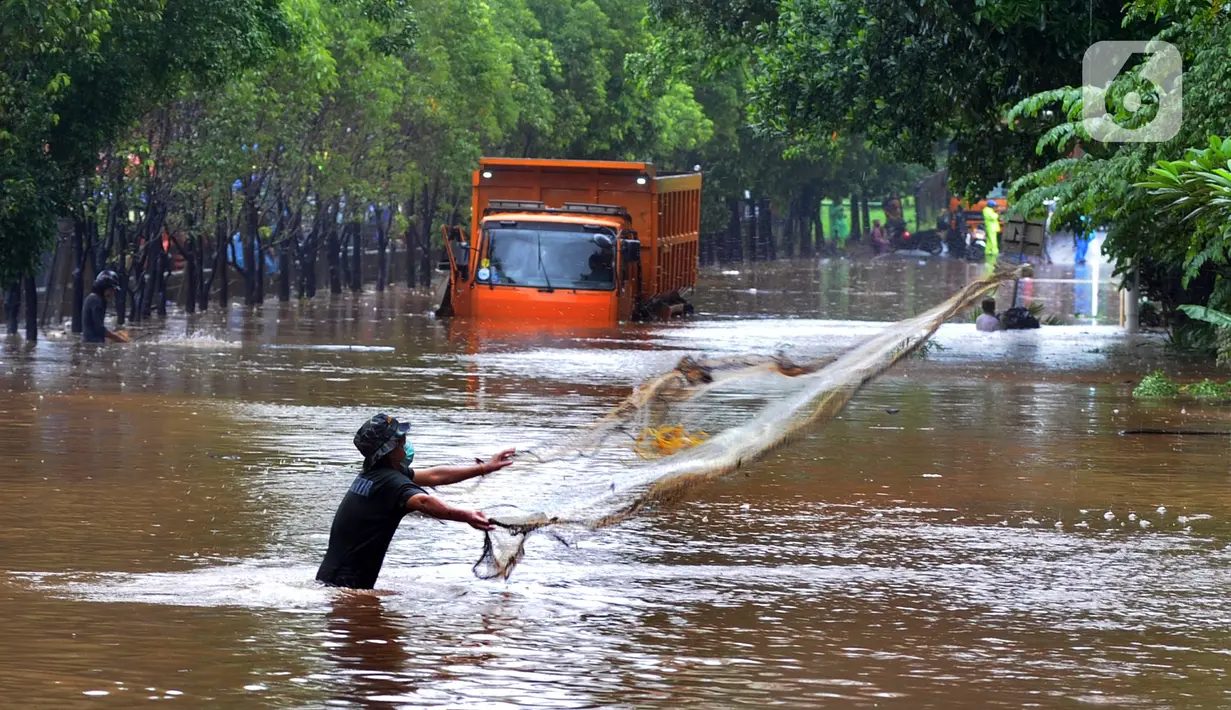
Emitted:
pixel 972 531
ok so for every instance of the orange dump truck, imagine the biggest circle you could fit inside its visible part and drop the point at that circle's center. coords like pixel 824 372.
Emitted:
pixel 574 242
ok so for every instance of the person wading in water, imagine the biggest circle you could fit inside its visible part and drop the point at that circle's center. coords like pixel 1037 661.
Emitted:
pixel 94 310
pixel 382 494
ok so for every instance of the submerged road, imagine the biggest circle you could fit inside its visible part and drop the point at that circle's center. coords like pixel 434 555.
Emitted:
pixel 972 531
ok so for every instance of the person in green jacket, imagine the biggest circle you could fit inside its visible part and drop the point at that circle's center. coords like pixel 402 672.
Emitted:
pixel 991 226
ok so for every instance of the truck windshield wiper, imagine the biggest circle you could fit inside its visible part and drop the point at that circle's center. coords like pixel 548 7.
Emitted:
pixel 539 237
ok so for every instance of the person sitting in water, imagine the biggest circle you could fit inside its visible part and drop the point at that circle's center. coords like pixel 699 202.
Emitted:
pixel 880 244
pixel 987 321
pixel 94 310
pixel 382 494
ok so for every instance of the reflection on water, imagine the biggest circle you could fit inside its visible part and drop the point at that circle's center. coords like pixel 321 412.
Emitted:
pixel 972 532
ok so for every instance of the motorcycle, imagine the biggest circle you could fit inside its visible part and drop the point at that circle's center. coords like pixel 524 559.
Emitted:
pixel 956 242
pixel 976 244
pixel 900 239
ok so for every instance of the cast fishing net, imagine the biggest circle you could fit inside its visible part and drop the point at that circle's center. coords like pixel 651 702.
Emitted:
pixel 704 418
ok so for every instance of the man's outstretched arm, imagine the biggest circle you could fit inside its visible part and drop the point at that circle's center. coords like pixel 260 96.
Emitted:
pixel 445 475
pixel 437 508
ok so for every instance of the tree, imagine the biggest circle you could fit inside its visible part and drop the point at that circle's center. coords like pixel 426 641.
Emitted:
pixel 905 74
pixel 1177 246
pixel 74 75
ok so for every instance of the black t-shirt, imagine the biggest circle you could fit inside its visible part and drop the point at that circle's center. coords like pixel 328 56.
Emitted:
pixel 92 312
pixel 364 525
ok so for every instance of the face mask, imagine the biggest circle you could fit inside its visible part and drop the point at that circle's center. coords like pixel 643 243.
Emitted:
pixel 409 448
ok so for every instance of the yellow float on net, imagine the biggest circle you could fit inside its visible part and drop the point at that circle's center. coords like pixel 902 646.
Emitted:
pixel 654 442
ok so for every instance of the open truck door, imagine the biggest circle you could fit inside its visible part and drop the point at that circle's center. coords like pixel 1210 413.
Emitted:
pixel 457 262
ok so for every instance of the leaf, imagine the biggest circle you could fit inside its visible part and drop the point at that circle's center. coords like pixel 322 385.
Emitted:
pixel 1207 315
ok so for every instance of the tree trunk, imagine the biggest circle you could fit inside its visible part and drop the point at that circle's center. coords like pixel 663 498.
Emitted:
pixel 765 231
pixel 430 200
pixel 314 241
pixel 94 249
pixel 750 214
pixel 344 257
pixel 12 306
pixel 190 274
pixel 303 259
pixel 817 224
pixel 134 302
pixel 121 268
pixel 301 254
pixel 221 267
pixel 253 262
pixel 150 291
pixel 78 257
pixel 305 252
pixel 202 292
pixel 867 212
pixel 287 235
pixel 31 309
pixel 113 224
pixel 731 251
pixel 308 253
pixel 785 244
pixel 138 275
pixel 382 246
pixel 334 255
pixel 410 244
pixel 455 215
pixel 164 265
pixel 856 229
pixel 258 269
pixel 804 226
pixel 356 272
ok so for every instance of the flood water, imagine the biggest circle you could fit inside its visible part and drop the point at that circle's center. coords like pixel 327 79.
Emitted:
pixel 972 532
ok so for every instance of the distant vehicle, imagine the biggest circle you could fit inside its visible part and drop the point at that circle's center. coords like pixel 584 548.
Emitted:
pixel 574 242
pixel 962 226
pixel 975 243
pixel 929 240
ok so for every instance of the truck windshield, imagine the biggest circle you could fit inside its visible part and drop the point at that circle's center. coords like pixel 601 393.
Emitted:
pixel 545 255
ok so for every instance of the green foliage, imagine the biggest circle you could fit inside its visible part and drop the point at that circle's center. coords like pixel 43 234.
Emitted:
pixel 354 106
pixel 924 351
pixel 1164 206
pixel 1155 385
pixel 1197 190
pixel 907 75
pixel 1207 389
pixel 1221 323
pixel 1208 315
pixel 74 75
pixel 1222 346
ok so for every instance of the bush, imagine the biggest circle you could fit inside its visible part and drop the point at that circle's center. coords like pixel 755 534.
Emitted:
pixel 1207 389
pixel 1156 384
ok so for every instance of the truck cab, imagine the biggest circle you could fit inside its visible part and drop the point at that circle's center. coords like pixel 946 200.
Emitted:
pixel 579 263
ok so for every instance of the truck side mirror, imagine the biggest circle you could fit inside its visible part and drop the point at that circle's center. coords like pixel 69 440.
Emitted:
pixel 461 253
pixel 630 251
pixel 457 251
